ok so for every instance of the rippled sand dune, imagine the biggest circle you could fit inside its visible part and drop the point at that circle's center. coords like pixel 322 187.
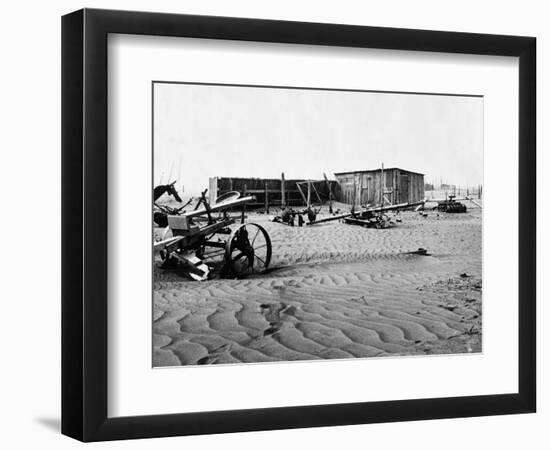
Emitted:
pixel 335 291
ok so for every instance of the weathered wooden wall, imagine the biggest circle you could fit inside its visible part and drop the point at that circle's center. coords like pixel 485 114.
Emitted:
pixel 259 186
pixel 354 188
pixel 370 186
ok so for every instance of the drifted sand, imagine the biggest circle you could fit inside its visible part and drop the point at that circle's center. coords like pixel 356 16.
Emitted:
pixel 335 291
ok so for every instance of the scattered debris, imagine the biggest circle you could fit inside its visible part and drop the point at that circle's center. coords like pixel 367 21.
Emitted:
pixel 288 216
pixel 449 307
pixel 421 251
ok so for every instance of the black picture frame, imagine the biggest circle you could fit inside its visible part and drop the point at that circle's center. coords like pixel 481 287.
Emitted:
pixel 84 224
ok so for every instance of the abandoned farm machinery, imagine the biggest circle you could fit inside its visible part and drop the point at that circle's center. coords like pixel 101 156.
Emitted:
pixel 206 234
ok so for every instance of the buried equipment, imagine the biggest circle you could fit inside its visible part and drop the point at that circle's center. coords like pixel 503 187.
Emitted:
pixel 246 250
pixel 451 205
pixel 373 217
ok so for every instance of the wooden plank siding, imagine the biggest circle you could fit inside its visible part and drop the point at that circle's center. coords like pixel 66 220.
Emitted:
pixel 366 187
pixel 371 187
pixel 260 186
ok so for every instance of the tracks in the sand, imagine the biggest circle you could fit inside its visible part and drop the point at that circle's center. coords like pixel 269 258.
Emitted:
pixel 333 291
pixel 350 313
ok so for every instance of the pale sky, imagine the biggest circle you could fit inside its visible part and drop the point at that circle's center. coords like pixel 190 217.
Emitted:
pixel 249 132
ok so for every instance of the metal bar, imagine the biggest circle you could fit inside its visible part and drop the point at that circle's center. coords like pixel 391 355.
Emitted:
pixel 261 191
pixel 220 207
pixel 212 228
pixel 394 207
pixel 215 244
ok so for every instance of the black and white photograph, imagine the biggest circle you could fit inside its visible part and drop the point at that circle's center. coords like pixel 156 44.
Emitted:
pixel 296 223
pixel 275 225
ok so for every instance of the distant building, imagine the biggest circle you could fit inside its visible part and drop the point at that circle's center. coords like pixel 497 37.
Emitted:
pixel 374 187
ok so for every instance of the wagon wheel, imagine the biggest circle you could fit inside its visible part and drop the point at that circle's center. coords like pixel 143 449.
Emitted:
pixel 248 250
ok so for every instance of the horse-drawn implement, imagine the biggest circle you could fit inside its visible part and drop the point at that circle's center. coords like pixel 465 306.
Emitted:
pixel 206 235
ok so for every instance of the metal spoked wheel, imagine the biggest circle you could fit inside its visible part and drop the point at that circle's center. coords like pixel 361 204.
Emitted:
pixel 247 251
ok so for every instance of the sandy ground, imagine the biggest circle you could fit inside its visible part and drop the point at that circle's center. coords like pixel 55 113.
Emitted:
pixel 335 291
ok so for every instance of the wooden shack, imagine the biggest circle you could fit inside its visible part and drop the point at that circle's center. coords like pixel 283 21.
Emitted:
pixel 271 192
pixel 380 186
